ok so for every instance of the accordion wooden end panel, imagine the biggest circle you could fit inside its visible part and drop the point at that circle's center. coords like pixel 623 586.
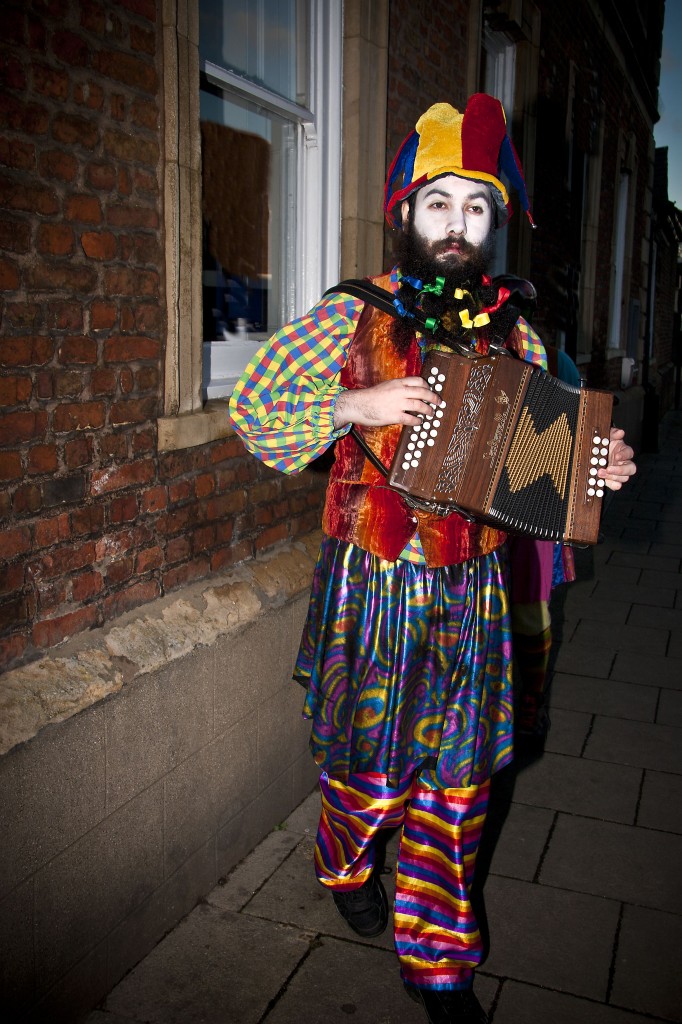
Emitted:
pixel 512 446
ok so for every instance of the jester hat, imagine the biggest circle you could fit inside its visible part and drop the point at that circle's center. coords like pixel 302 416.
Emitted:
pixel 473 145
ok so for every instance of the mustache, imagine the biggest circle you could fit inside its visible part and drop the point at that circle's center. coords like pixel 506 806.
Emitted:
pixel 465 247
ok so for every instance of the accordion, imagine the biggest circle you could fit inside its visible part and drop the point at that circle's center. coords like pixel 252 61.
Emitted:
pixel 512 446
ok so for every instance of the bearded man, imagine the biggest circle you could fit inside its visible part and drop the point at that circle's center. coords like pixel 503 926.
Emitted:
pixel 406 651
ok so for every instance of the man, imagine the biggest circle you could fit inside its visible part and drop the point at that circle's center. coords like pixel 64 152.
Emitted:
pixel 406 651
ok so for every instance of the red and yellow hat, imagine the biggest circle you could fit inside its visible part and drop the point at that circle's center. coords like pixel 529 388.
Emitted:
pixel 473 145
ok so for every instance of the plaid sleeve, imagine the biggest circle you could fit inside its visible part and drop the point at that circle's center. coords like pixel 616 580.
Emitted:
pixel 533 349
pixel 283 404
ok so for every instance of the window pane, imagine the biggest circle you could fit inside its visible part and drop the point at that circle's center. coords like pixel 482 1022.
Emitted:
pixel 257 38
pixel 249 187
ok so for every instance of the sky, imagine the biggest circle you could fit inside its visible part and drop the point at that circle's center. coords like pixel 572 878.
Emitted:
pixel 668 131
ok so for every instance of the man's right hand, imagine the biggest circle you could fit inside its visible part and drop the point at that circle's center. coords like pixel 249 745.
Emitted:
pixel 406 401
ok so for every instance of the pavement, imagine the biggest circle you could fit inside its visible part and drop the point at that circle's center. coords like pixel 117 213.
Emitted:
pixel 582 857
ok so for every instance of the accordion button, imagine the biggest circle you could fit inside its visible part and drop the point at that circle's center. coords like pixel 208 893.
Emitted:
pixel 595 451
pixel 605 441
pixel 600 494
pixel 596 439
pixel 594 461
pixel 430 442
pixel 591 491
pixel 604 451
pixel 602 462
pixel 406 464
pixel 441 377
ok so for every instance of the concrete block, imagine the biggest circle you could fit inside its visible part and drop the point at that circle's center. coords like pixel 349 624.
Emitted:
pixel 75 993
pixel 660 805
pixel 88 889
pixel 51 792
pixel 17 975
pixel 618 862
pixel 209 970
pixel 248 665
pixel 135 937
pixel 158 721
pixel 245 830
pixel 580 786
pixel 657 959
pixel 603 697
pixel 556 939
pixel 304 819
pixel 635 743
pixel 282 732
pixel 207 790
pixel 519 1004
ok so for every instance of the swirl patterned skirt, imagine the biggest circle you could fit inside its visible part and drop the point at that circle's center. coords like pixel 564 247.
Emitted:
pixel 408 669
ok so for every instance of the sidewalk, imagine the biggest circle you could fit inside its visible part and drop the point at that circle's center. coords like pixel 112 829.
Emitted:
pixel 583 895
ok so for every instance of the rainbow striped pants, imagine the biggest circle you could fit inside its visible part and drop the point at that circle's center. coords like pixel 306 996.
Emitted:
pixel 436 934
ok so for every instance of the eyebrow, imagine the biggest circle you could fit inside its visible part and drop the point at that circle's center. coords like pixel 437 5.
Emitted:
pixel 448 195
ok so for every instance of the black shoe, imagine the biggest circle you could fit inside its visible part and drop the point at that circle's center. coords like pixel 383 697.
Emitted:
pixel 364 909
pixel 445 1006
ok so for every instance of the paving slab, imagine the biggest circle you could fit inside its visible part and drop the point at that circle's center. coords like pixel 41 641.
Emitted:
pixel 555 939
pixel 648 670
pixel 585 659
pixel 568 732
pixel 660 805
pixel 604 697
pixel 523 838
pixel 247 878
pixel 670 708
pixel 660 618
pixel 580 786
pixel 209 970
pixel 623 638
pixel 520 1004
pixel 647 973
pixel 637 593
pixel 620 862
pixel 635 743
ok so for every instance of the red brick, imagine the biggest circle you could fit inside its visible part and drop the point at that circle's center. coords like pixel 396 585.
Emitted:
pixel 11 650
pixel 144 441
pixel 77 350
pixel 10 278
pixel 148 318
pixel 131 597
pixel 66 277
pixel 124 509
pixel 146 114
pixel 117 107
pixel 14 26
pixel 138 410
pixel 225 505
pixel 10 466
pixel 102 315
pixel 87 521
pixel 177 550
pixel 228 556
pixel 21 115
pixel 120 570
pixel 229 449
pixel 182 574
pixel 55 239
pixel 153 500
pixel 123 67
pixel 12 74
pixel 58 164
pixel 11 577
pixel 74 130
pixel 177 521
pixel 17 154
pixel 44 384
pixel 22 426
pixel 28 198
pixel 151 558
pixel 78 452
pixel 14 542
pixel 22 315
pixel 30 350
pixel 50 82
pixel 42 458
pixel 68 384
pixel 119 349
pixel 86 586
pixel 127 319
pixel 65 316
pixel 85 416
pixel 273 536
pixel 113 448
pixel 93 17
pixel 70 48
pixel 15 611
pixel 204 485
pixel 15 390
pixel 66 559
pixel 203 539
pixel 101 176
pixel 116 477
pixel 99 245
pixel 144 8
pixel 125 185
pixel 143 40
pixel 27 499
pixel 127 281
pixel 132 217
pixel 51 632
pixel 180 491
pixel 103 382
pixel 131 148
pixel 126 380
pixel 51 595
pixel 84 209
pixel 88 94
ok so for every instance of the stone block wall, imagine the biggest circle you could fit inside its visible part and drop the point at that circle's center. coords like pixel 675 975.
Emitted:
pixel 138 768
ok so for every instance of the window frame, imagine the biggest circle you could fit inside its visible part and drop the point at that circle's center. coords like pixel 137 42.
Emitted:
pixel 187 421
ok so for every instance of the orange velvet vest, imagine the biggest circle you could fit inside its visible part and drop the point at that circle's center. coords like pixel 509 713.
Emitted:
pixel 360 507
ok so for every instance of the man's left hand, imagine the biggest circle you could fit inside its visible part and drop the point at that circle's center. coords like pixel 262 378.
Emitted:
pixel 620 465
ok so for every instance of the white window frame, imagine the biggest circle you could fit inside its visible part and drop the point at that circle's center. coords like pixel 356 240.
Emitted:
pixel 316 246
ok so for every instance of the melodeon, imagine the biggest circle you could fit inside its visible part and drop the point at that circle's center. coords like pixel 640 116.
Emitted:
pixel 512 446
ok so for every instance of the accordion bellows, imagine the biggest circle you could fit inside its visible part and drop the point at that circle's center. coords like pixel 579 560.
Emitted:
pixel 513 446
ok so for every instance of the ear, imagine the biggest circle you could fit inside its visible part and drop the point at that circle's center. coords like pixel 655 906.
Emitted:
pixel 405 213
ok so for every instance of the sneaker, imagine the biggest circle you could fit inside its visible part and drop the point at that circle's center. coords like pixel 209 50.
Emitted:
pixel 364 909
pixel 447 1006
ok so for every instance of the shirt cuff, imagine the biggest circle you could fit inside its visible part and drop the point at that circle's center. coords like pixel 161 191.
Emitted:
pixel 323 417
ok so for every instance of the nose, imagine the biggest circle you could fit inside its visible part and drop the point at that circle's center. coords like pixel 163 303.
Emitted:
pixel 456 223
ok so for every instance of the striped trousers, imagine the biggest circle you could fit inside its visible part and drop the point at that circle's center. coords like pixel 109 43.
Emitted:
pixel 436 936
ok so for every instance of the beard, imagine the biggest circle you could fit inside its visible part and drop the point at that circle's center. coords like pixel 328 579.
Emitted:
pixel 418 257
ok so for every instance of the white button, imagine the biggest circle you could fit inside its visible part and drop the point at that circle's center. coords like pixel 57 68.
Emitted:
pixel 594 462
pixel 441 376
pixel 602 462
pixel 430 442
pixel 590 491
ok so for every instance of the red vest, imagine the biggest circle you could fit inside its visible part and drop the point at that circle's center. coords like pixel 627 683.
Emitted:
pixel 360 507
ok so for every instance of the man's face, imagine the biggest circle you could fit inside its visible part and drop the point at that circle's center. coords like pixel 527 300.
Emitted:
pixel 453 218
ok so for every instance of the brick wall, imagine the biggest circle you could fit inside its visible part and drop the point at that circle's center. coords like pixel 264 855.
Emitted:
pixel 94 520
